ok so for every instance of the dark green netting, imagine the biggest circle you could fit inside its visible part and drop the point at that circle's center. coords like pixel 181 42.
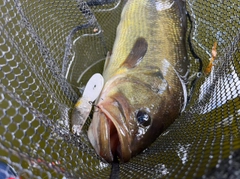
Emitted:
pixel 49 49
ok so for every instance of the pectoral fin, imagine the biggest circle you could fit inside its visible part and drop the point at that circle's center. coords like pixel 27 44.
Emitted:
pixel 137 53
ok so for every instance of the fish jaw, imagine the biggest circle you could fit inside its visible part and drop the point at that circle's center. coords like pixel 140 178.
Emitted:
pixel 108 132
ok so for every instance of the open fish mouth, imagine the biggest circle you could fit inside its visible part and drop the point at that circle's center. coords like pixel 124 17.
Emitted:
pixel 114 139
pixel 111 139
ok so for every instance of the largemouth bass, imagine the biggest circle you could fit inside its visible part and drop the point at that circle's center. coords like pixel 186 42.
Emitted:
pixel 144 91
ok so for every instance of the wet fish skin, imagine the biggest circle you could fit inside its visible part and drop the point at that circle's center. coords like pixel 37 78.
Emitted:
pixel 143 79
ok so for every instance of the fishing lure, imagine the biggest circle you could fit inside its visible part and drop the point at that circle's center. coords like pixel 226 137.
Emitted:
pixel 84 105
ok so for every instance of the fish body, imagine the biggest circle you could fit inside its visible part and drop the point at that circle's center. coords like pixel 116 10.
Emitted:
pixel 143 92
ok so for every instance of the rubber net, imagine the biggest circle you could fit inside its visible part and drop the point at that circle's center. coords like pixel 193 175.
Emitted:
pixel 48 51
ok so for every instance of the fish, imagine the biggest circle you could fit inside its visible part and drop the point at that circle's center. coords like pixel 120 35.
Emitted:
pixel 144 90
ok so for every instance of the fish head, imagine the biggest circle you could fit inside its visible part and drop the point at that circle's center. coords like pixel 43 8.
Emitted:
pixel 132 111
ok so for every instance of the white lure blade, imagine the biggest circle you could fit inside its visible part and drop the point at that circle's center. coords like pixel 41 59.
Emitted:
pixel 94 87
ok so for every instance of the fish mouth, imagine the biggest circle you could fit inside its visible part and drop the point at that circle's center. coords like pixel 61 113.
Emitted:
pixel 114 139
pixel 108 133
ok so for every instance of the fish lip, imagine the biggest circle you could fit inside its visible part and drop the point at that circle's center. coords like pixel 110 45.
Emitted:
pixel 99 131
pixel 122 150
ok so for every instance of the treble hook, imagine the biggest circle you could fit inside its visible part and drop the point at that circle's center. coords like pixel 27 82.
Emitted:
pixel 91 102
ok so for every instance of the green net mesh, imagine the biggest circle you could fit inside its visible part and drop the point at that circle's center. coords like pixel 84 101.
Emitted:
pixel 48 51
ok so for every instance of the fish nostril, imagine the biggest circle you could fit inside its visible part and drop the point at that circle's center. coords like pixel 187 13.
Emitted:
pixel 143 118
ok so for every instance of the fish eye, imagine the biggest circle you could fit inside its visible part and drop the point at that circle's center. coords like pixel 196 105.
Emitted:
pixel 143 118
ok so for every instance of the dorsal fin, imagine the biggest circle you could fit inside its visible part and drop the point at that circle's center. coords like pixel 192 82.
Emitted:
pixel 137 53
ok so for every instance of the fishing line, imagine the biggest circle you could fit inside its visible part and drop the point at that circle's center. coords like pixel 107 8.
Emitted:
pixel 80 77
